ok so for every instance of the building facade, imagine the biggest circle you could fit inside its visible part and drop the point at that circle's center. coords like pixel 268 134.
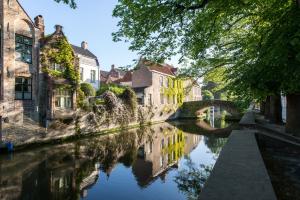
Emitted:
pixel 19 64
pixel 33 86
pixel 88 65
pixel 157 84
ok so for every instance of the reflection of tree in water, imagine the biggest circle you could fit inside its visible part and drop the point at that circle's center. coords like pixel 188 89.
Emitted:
pixel 215 144
pixel 191 180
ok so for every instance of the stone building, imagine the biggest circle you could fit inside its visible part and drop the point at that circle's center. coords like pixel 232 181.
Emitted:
pixel 148 81
pixel 27 93
pixel 88 65
pixel 58 77
pixel 19 66
pixel 152 81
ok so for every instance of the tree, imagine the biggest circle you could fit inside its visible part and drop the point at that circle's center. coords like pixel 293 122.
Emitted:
pixel 71 3
pixel 87 89
pixel 257 42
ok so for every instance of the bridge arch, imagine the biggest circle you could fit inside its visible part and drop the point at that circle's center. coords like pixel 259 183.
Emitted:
pixel 192 108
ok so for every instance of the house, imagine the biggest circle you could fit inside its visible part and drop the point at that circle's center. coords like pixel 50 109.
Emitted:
pixel 33 84
pixel 58 78
pixel 149 81
pixel 19 63
pixel 157 84
pixel 192 90
pixel 112 76
pixel 88 65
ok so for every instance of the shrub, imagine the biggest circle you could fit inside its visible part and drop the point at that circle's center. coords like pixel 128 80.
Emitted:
pixel 87 89
pixel 207 95
pixel 116 89
pixel 129 98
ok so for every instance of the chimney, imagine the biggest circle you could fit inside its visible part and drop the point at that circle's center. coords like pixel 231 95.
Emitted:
pixel 84 45
pixel 39 23
pixel 58 29
pixel 113 67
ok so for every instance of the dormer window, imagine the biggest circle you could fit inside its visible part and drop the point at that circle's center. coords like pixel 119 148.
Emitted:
pixel 23 48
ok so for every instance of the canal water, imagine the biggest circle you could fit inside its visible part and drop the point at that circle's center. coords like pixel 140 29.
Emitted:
pixel 163 161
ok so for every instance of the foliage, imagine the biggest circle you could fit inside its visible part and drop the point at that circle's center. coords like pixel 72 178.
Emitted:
pixel 116 89
pixel 71 3
pixel 60 52
pixel 175 88
pixel 130 100
pixel 207 95
pixel 87 89
pixel 256 43
pixel 80 98
pixel 191 180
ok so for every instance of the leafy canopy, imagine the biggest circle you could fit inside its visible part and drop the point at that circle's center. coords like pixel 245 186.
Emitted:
pixel 255 42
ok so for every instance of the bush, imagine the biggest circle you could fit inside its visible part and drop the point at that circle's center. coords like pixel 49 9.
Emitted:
pixel 129 98
pixel 87 89
pixel 207 95
pixel 116 89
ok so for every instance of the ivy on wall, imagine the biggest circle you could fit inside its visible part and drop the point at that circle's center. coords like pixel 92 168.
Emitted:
pixel 175 88
pixel 60 53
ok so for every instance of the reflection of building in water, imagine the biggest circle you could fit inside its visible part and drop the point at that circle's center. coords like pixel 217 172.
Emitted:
pixel 157 156
pixel 69 170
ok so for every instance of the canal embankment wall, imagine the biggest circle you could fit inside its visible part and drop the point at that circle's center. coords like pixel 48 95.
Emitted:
pixel 83 124
pixel 240 172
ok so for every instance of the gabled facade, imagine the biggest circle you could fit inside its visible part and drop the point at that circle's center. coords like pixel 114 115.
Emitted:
pixel 88 65
pixel 156 84
pixel 59 76
pixel 27 91
pixel 149 81
pixel 19 68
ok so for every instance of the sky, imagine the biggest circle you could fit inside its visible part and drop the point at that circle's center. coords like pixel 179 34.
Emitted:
pixel 91 21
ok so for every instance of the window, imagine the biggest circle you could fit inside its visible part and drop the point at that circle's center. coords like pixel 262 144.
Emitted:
pixel 63 98
pixel 93 76
pixel 162 99
pixel 81 73
pixel 57 67
pixel 23 88
pixel 174 99
pixel 161 81
pixel 23 48
pixel 167 83
pixel 168 99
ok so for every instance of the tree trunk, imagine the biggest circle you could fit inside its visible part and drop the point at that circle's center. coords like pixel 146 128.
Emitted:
pixel 275 109
pixel 293 114
pixel 262 107
pixel 267 108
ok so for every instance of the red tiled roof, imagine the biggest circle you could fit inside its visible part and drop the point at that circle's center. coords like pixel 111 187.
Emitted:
pixel 162 68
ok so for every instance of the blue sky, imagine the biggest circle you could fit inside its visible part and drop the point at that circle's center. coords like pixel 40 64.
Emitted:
pixel 92 21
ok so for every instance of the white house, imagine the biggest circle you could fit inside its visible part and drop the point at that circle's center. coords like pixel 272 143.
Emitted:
pixel 89 65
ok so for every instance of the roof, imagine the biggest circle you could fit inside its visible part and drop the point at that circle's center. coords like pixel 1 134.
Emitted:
pixel 162 68
pixel 120 71
pixel 84 52
pixel 127 77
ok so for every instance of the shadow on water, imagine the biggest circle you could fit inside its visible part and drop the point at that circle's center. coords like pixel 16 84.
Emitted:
pixel 172 161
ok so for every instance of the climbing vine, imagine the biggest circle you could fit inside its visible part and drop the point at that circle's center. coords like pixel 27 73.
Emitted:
pixel 175 88
pixel 60 53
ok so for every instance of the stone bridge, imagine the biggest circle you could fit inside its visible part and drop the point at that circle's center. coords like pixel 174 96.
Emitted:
pixel 192 109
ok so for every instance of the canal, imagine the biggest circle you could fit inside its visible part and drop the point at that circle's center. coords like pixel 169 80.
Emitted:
pixel 163 161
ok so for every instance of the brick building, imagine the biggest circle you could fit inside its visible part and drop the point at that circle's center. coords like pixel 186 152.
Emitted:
pixel 26 92
pixel 19 64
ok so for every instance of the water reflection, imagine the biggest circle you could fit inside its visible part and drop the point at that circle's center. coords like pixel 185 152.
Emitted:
pixel 156 160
